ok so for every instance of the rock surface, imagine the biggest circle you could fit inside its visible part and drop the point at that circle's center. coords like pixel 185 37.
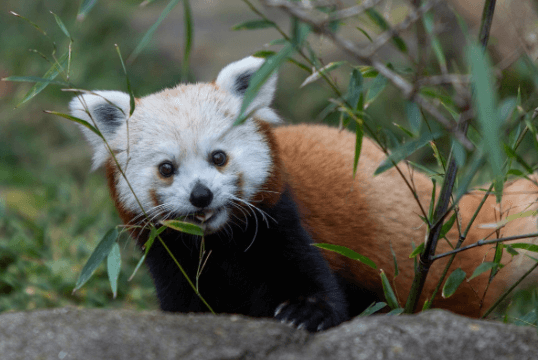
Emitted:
pixel 128 335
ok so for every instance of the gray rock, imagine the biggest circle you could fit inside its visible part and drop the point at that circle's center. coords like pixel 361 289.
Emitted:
pixel 118 335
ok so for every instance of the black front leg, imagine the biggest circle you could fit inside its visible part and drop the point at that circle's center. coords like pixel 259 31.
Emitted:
pixel 313 300
pixel 173 291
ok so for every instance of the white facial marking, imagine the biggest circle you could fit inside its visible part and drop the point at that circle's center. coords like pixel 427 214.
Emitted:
pixel 183 127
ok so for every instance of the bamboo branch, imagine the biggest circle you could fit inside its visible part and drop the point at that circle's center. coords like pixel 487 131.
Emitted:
pixel 499 300
pixel 366 56
pixel 427 257
pixel 483 242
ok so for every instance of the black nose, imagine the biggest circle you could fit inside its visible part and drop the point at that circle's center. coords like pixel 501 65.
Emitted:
pixel 201 196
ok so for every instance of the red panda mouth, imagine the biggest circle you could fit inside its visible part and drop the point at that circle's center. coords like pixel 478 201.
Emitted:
pixel 204 216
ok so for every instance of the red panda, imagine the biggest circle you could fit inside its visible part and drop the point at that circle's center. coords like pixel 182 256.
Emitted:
pixel 263 194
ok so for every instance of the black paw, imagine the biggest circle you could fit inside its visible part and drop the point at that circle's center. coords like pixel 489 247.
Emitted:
pixel 309 313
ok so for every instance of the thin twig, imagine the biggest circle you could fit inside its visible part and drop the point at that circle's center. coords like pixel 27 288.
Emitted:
pixel 413 17
pixel 500 299
pixel 487 20
pixel 444 79
pixel 366 56
pixel 352 11
pixel 483 242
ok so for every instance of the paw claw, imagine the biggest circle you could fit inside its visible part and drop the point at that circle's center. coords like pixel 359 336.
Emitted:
pixel 280 307
pixel 309 313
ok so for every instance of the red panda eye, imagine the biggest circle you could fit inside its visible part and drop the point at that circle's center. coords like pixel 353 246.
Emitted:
pixel 166 169
pixel 218 158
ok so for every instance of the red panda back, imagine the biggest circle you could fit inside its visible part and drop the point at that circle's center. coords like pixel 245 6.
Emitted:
pixel 369 214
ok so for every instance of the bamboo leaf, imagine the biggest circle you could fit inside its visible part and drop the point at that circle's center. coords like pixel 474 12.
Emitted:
pixel 482 268
pixel 459 153
pixel 396 270
pixel 368 71
pixel 414 116
pixel 49 75
pixel 396 312
pixel 404 130
pixel 375 88
pixel 476 164
pixel 436 45
pixel 358 146
pixel 96 258
pixel 113 267
pixel 132 103
pixel 507 108
pixel 499 249
pixel 265 54
pixel 509 218
pixel 417 251
pixel 342 250
pixel 525 246
pixel 270 65
pixel 280 41
pixel 299 64
pixel 392 301
pixel 152 235
pixel 373 308
pixel 189 38
pixel 85 8
pixel 77 120
pixel 427 305
pixel 438 156
pixel 512 154
pixel 406 150
pixel 486 108
pixel 62 26
pixel 453 282
pixel 149 34
pixel 365 34
pixel 254 24
pixel 380 21
pixel 140 262
pixel 355 89
pixel 324 70
pixel 34 79
pixel 29 22
pixel 432 200
pixel 183 226
pixel 447 226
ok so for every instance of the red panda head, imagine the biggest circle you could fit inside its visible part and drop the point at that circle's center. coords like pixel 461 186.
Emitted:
pixel 179 150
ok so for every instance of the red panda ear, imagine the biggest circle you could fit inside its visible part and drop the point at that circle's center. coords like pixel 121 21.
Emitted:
pixel 235 79
pixel 105 110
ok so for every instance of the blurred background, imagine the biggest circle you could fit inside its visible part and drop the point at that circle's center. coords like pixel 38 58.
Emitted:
pixel 53 211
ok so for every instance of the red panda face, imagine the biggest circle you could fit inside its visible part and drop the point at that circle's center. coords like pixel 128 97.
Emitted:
pixel 180 153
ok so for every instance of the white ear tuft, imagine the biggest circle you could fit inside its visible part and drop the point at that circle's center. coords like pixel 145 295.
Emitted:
pixel 235 78
pixel 109 110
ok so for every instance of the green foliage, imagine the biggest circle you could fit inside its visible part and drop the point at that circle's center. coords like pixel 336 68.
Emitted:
pixel 390 296
pixel 98 255
pixel 342 250
pixel 372 309
pixel 453 282
pixel 183 227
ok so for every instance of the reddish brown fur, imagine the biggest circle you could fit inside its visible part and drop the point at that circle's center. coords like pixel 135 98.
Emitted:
pixel 369 213
pixel 273 187
pixel 126 216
